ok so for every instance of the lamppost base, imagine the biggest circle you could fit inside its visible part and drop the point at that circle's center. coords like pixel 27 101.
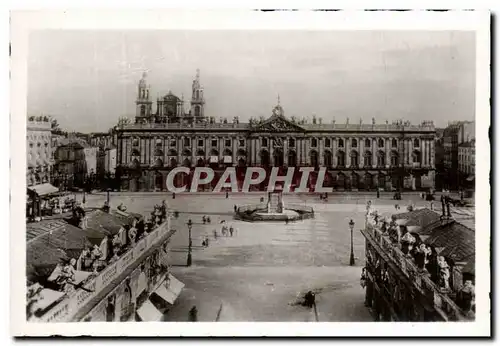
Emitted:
pixel 351 260
pixel 189 260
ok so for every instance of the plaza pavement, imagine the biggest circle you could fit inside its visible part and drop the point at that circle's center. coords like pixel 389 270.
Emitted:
pixel 257 274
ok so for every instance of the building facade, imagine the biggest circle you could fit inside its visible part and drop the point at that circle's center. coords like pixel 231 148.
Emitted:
pixel 454 135
pixel 419 268
pixel 356 155
pixel 108 268
pixel 75 161
pixel 38 150
pixel 467 163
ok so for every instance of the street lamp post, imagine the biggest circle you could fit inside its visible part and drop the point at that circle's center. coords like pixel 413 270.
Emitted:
pixel 189 258
pixel 351 260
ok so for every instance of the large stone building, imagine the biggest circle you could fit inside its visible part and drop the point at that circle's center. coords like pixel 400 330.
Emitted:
pixel 38 151
pixel 356 155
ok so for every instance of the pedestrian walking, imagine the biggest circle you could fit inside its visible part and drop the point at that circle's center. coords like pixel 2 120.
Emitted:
pixel 206 241
pixel 208 219
pixel 309 299
pixel 378 193
pixel 203 243
pixel 215 234
pixel 193 314
pixel 227 194
pixel 231 230
pixel 173 195
pixel 235 208
pixel 204 219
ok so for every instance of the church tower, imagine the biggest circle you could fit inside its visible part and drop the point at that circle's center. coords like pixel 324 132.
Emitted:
pixel 197 100
pixel 143 103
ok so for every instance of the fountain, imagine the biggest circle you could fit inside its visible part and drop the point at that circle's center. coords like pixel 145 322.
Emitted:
pixel 276 211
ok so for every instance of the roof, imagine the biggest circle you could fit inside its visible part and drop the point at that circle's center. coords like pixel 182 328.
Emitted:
pixel 100 220
pixel 74 142
pixel 43 189
pixel 469 144
pixel 420 217
pixel 456 240
pixel 49 242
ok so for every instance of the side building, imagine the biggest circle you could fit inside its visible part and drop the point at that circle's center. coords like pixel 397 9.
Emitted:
pixel 420 267
pixel 454 135
pixel 358 156
pixel 38 151
pixel 106 266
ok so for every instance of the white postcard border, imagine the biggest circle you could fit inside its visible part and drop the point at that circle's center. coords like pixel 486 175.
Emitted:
pixel 23 22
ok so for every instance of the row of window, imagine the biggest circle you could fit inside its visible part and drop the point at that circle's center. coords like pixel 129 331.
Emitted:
pixel 291 142
pixel 39 145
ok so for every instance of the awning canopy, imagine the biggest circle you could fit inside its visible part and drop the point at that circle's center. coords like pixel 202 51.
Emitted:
pixel 166 294
pixel 470 178
pixel 43 189
pixel 214 159
pixel 175 285
pixel 170 289
pixel 228 159
pixel 148 313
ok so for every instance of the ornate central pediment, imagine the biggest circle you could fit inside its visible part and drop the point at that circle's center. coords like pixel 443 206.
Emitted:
pixel 278 124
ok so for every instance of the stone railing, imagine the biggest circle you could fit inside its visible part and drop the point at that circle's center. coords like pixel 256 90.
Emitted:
pixel 422 281
pixel 69 305
pixel 181 126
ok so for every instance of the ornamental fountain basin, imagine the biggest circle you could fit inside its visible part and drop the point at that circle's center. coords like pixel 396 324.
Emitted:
pixel 269 212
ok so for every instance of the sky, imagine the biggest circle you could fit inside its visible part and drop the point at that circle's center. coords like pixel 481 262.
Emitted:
pixel 88 79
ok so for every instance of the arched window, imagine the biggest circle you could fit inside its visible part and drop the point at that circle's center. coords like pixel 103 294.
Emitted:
pixel 314 158
pixel 264 158
pixel 416 143
pixel 381 159
pixel 368 143
pixel 158 152
pixel 328 142
pixel 173 162
pixel 200 152
pixel 292 158
pixel 381 143
pixel 328 158
pixel 135 152
pixel 227 152
pixel 417 157
pixel 291 142
pixel 354 143
pixel 135 142
pixel 241 152
pixel 143 111
pixel 394 143
pixel 341 143
pixel 214 152
pixel 186 152
pixel 368 159
pixel 172 152
pixel 354 159
pixel 197 111
pixel 340 158
pixel 394 158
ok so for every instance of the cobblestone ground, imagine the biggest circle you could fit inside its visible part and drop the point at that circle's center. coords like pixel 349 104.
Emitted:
pixel 257 274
